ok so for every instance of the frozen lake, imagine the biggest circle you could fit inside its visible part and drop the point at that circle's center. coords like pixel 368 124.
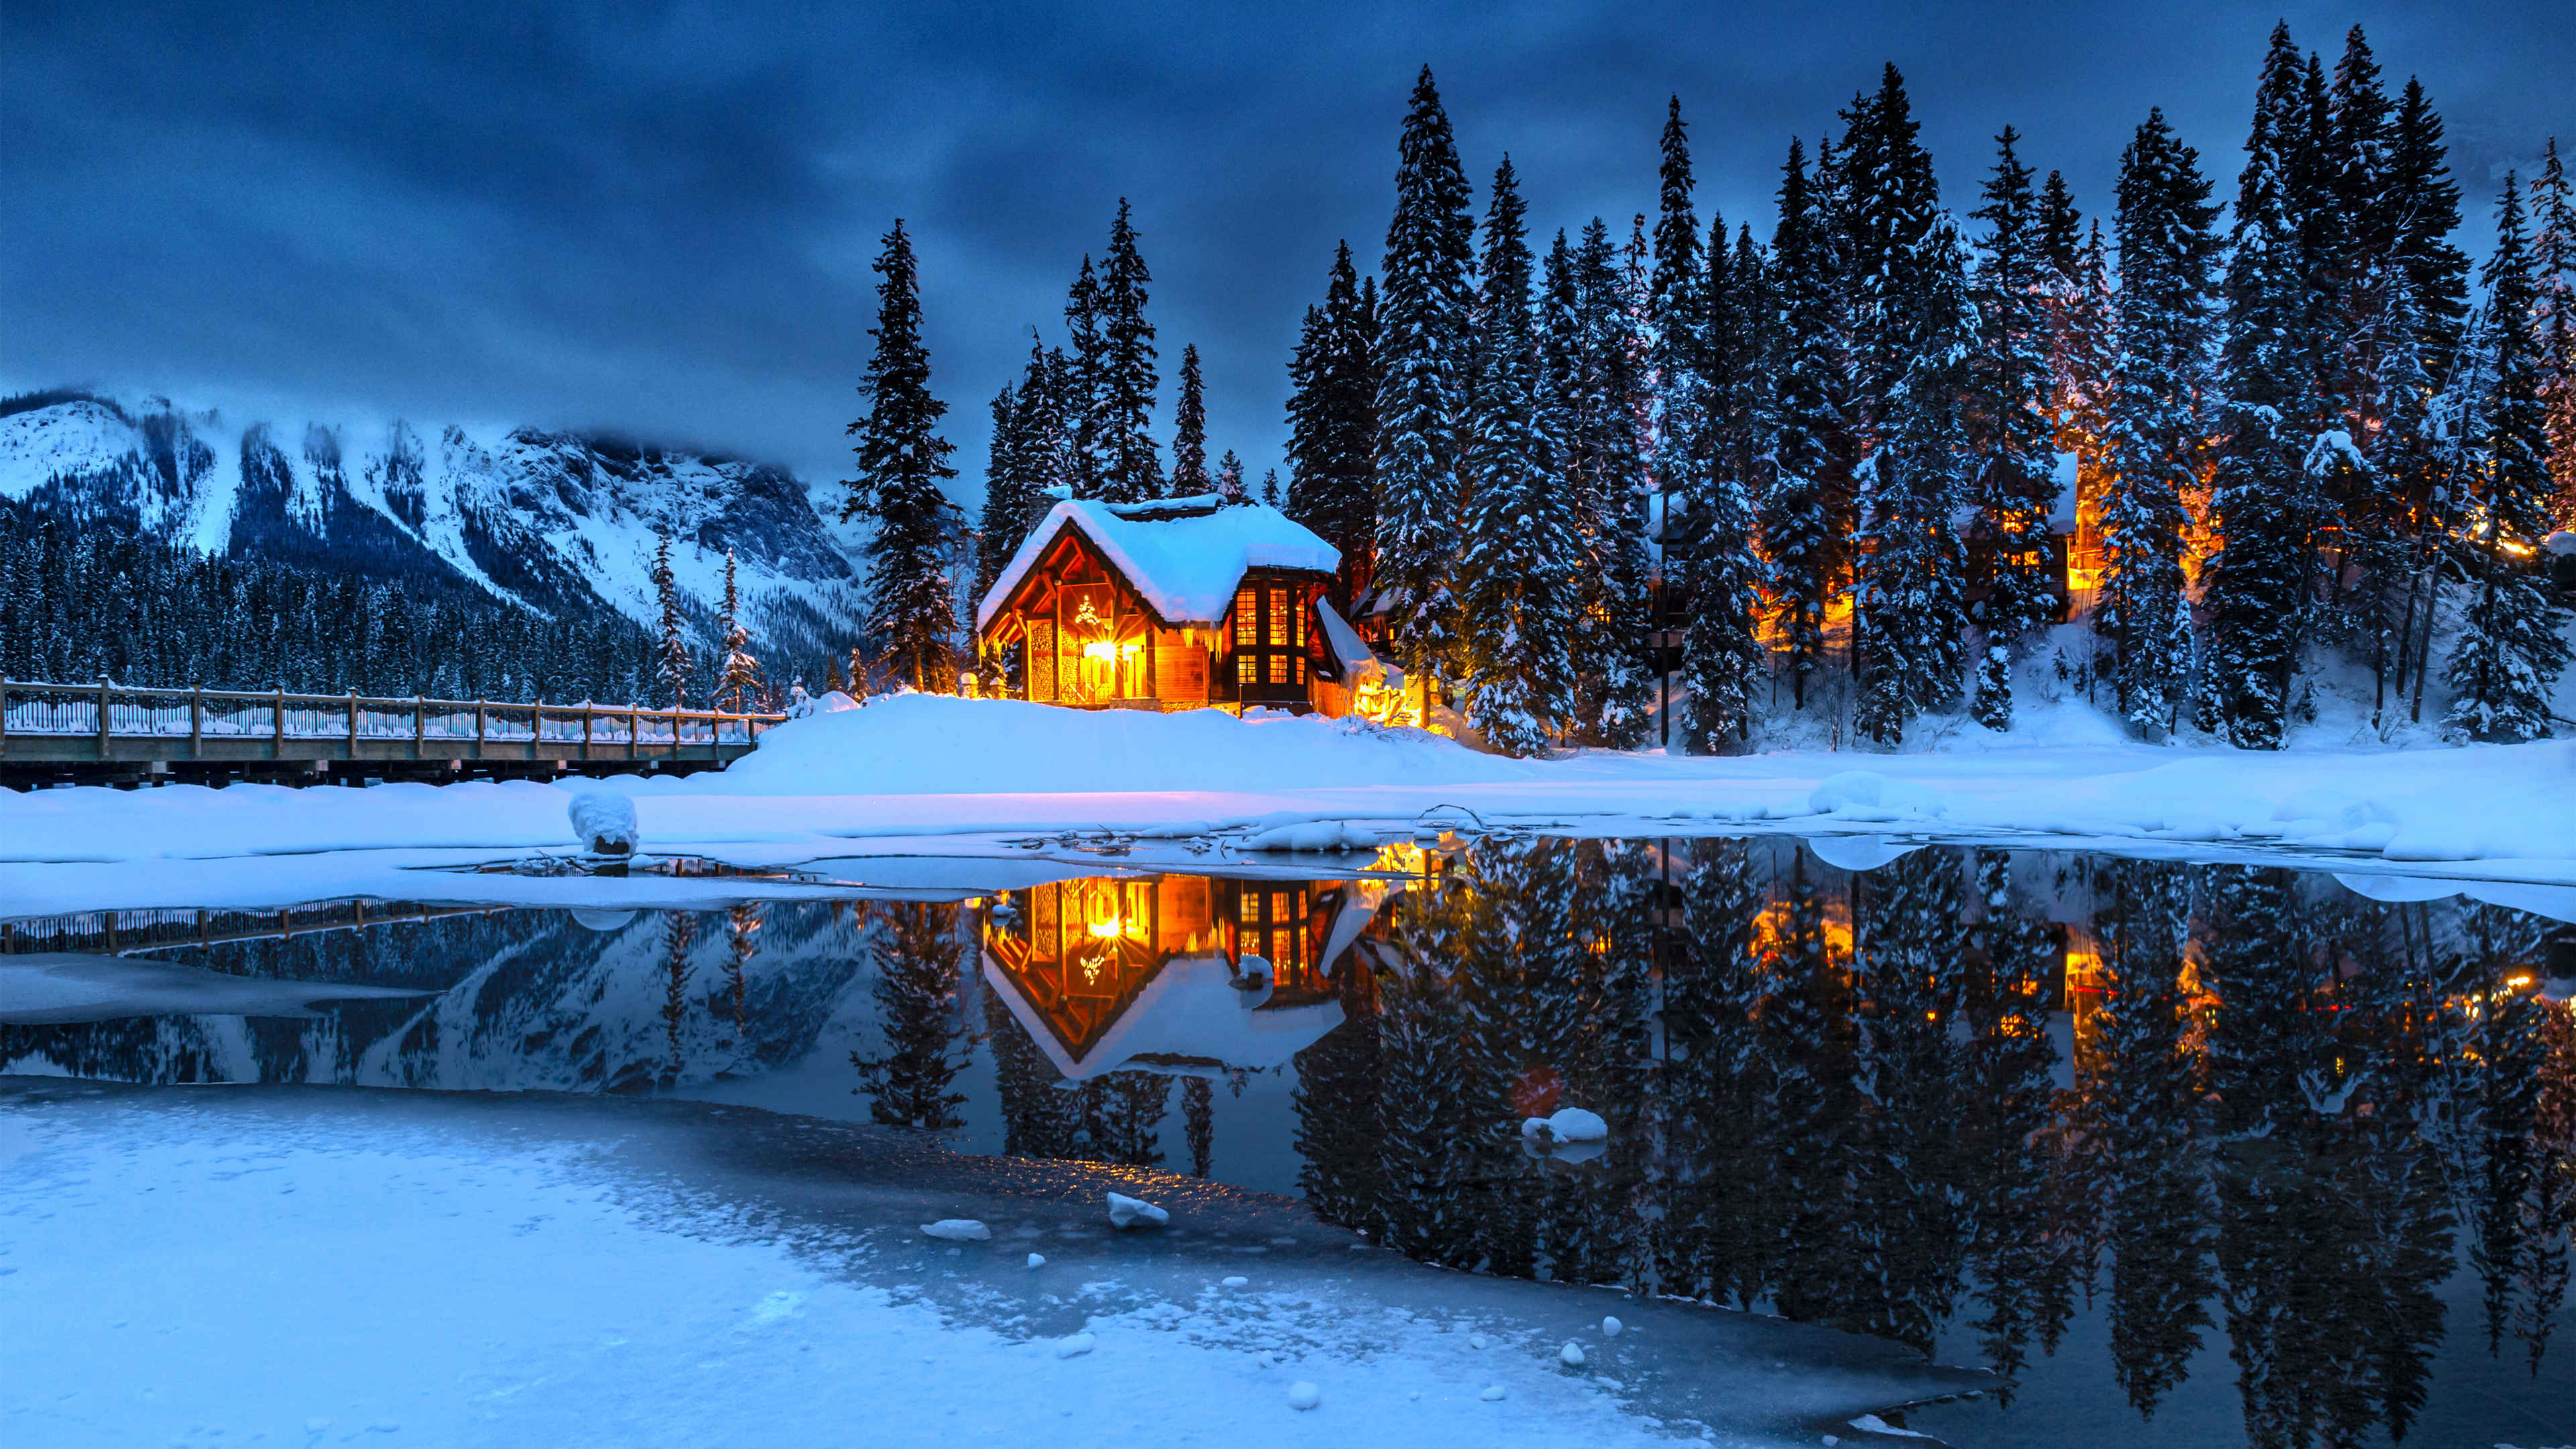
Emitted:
pixel 2153 1152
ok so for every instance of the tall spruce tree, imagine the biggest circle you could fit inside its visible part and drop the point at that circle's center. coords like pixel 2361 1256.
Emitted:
pixel 1006 501
pixel 1189 430
pixel 1801 532
pixel 2267 377
pixel 2014 486
pixel 1912 330
pixel 2512 643
pixel 912 609
pixel 1228 483
pixel 1593 394
pixel 738 682
pixel 1423 331
pixel 671 658
pixel 2160 366
pixel 1516 570
pixel 1332 422
pixel 1131 464
pixel 1086 370
pixel 2553 249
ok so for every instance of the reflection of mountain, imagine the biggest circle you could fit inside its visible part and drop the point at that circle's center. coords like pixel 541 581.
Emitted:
pixel 1838 1097
pixel 525 999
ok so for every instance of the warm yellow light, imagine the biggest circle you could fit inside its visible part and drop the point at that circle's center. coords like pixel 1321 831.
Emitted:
pixel 1107 929
pixel 1099 649
pixel 2518 982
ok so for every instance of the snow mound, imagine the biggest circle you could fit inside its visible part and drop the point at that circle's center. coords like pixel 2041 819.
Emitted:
pixel 1236 1280
pixel 958 1230
pixel 1569 1124
pixel 1869 795
pixel 1610 1326
pixel 919 744
pixel 1493 1394
pixel 1129 1212
pixel 604 823
pixel 1304 1394
pixel 1571 1355
pixel 1860 852
pixel 1076 1346
pixel 1037 1260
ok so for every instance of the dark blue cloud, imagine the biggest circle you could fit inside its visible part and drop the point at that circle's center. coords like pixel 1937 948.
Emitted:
pixel 659 218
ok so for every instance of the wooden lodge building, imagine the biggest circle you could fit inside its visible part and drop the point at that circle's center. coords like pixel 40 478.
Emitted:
pixel 1178 603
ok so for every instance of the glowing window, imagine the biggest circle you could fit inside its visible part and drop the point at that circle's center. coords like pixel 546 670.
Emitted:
pixel 1279 669
pixel 1280 629
pixel 1247 617
pixel 1247 669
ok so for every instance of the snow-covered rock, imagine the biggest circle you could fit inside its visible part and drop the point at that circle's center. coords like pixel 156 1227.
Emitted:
pixel 1567 1124
pixel 1494 1394
pixel 958 1230
pixel 604 824
pixel 1129 1212
pixel 1037 1260
pixel 1610 1326
pixel 1305 1394
pixel 1075 1346
pixel 1571 1355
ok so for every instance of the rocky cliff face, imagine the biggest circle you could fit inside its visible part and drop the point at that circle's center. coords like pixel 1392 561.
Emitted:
pixel 558 522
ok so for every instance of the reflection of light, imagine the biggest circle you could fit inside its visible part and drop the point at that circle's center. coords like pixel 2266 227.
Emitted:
pixel 2518 982
pixel 1107 929
pixel 1092 966
pixel 1099 649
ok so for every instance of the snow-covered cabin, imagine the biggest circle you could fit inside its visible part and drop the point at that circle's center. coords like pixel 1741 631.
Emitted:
pixel 1178 603
pixel 1183 975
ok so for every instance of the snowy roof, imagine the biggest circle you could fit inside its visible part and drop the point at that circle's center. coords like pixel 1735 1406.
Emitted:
pixel 1189 1011
pixel 1183 555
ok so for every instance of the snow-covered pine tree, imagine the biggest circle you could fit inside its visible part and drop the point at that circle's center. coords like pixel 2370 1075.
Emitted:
pixel 672 664
pixel 1006 500
pixel 1802 532
pixel 1189 430
pixel 2159 369
pixel 2553 251
pixel 1423 337
pixel 738 680
pixel 1229 479
pixel 2268 369
pixel 1086 370
pixel 1332 422
pixel 2014 486
pixel 1912 579
pixel 1912 331
pixel 1131 462
pixel 911 605
pixel 1595 381
pixel 2512 643
pixel 1516 569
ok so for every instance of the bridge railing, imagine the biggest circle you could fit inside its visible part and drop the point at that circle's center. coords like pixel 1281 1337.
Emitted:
pixel 181 718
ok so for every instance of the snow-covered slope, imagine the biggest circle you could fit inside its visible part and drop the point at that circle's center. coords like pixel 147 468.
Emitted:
pixel 560 522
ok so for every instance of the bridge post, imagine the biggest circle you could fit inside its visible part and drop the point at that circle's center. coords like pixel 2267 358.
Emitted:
pixel 353 724
pixel 196 721
pixel 478 729
pixel 419 724
pixel 587 714
pixel 634 728
pixel 277 744
pixel 102 718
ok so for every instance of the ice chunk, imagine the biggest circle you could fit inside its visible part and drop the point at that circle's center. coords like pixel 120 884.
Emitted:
pixel 1076 1346
pixel 1236 1281
pixel 1128 1212
pixel 1037 1260
pixel 1860 852
pixel 1873 1424
pixel 1304 1394
pixel 958 1230
pixel 1610 1326
pixel 604 823
pixel 1493 1393
pixel 1571 1355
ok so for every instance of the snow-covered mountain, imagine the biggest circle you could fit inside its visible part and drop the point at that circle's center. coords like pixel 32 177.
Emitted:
pixel 560 522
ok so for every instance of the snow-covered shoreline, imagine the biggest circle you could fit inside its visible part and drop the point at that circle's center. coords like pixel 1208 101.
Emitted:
pixel 469 1268
pixel 923 774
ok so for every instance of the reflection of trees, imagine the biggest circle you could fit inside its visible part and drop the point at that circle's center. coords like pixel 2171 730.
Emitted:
pixel 917 959
pixel 1836 1097
pixel 679 932
pixel 742 923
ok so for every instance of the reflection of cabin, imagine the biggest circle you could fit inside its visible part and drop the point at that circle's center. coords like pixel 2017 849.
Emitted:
pixel 1175 604
pixel 1109 973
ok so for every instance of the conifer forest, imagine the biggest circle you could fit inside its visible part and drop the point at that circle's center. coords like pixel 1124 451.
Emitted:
pixel 1860 456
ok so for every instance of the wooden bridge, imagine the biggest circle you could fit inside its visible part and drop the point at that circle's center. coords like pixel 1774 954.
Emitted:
pixel 109 733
